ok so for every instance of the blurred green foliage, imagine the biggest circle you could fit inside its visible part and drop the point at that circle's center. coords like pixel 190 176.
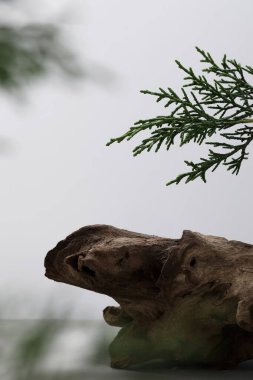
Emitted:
pixel 33 347
pixel 28 348
pixel 31 51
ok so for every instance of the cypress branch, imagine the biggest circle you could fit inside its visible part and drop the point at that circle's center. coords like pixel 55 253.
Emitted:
pixel 222 107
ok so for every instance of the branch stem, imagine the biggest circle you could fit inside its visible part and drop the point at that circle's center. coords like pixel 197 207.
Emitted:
pixel 246 121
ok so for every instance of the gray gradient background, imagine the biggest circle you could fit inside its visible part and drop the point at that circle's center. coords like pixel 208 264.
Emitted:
pixel 57 175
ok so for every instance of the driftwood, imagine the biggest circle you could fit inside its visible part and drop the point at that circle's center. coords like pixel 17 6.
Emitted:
pixel 188 301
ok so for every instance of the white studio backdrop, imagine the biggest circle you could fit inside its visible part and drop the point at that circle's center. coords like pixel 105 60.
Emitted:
pixel 59 176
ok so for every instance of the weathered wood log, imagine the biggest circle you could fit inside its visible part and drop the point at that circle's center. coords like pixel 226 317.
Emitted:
pixel 188 300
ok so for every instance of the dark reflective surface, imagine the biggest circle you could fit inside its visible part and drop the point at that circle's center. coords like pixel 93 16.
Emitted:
pixel 51 349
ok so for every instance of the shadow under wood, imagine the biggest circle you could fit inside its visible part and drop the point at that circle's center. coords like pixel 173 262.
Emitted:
pixel 158 371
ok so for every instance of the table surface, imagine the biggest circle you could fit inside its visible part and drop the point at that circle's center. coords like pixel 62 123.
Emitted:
pixel 77 350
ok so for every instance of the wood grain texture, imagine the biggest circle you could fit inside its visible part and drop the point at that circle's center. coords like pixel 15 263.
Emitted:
pixel 187 300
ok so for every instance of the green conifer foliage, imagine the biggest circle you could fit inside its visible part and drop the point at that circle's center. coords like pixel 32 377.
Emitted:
pixel 214 109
